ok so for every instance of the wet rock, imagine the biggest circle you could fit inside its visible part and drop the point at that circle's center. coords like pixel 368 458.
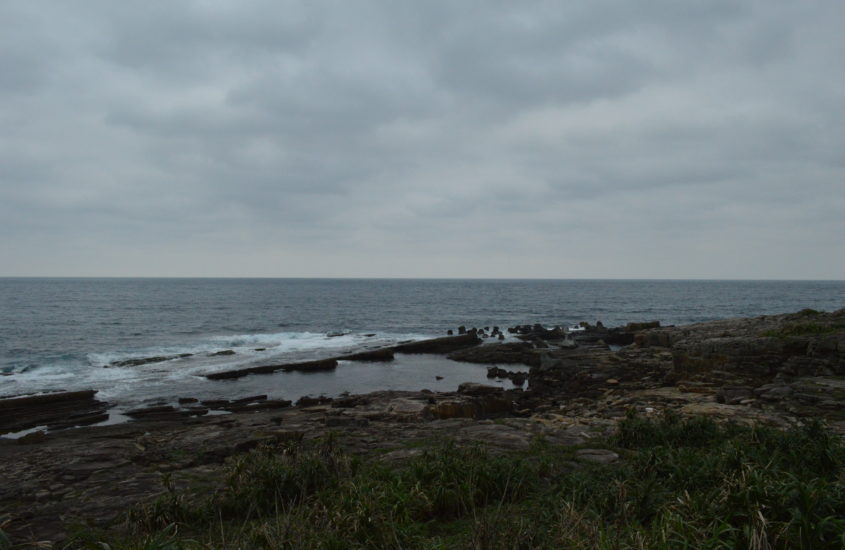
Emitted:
pixel 376 355
pixel 146 360
pixel 75 420
pixel 263 405
pixel 22 413
pixel 32 438
pixel 222 353
pixel 510 352
pixel 307 366
pixel 440 345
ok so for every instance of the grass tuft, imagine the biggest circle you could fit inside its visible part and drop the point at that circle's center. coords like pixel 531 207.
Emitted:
pixel 682 483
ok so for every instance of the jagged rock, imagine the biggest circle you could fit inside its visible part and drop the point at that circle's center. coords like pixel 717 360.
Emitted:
pixel 754 350
pixel 472 388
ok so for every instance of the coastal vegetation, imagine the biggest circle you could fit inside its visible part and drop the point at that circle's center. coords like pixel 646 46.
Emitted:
pixel 680 482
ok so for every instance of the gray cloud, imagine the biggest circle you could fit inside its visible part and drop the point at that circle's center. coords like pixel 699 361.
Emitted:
pixel 589 139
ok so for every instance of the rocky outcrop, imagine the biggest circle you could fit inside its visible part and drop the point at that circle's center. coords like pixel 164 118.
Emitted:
pixel 807 343
pixel 473 401
pixel 53 410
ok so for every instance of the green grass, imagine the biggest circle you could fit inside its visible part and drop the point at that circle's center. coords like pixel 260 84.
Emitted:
pixel 681 483
pixel 801 329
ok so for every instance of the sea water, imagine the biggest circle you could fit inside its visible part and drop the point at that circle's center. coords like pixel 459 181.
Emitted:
pixel 68 334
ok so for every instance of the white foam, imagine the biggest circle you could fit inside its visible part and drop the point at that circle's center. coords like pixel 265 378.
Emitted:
pixel 133 383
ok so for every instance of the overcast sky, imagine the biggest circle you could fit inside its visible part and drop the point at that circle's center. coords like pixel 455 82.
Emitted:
pixel 610 139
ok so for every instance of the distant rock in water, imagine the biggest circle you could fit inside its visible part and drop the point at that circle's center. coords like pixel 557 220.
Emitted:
pixel 440 345
pixel 155 359
pixel 307 366
pixel 221 353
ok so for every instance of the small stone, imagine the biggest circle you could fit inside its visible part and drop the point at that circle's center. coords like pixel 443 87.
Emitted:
pixel 611 381
pixel 597 456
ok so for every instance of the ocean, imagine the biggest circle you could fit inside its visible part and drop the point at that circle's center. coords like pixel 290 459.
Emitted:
pixel 69 334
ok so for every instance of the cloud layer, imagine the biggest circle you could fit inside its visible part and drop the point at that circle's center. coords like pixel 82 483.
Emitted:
pixel 435 139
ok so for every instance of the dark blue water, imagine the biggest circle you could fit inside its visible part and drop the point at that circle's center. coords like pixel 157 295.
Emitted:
pixel 64 333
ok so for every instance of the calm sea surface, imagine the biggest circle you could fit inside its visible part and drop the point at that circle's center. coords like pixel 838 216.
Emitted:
pixel 66 333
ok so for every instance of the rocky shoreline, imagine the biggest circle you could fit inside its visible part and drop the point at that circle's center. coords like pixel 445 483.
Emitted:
pixel 776 369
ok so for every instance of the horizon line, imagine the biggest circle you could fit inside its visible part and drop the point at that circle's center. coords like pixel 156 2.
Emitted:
pixel 164 277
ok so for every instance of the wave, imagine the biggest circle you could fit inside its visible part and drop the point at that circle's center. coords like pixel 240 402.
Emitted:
pixel 116 372
pixel 240 347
